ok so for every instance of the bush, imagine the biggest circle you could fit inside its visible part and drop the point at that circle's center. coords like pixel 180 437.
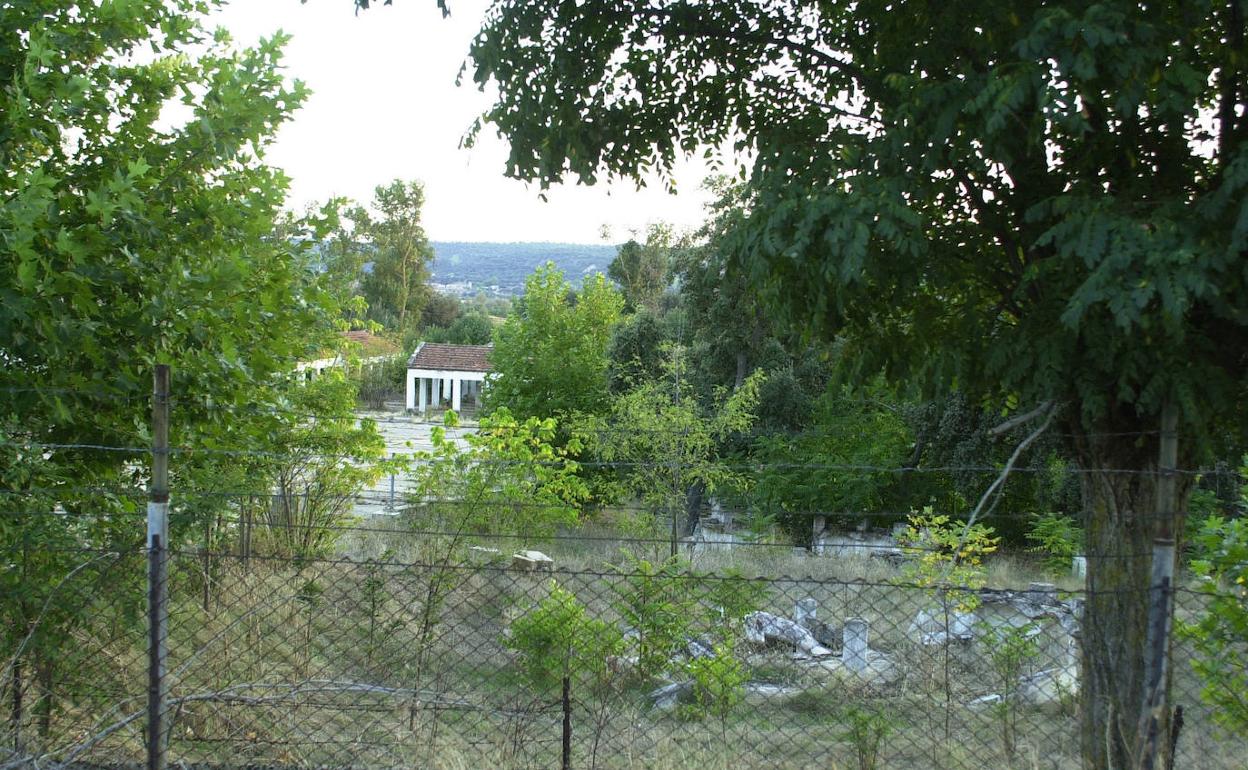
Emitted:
pixel 558 639
pixel 380 382
pixel 1058 537
pixel 1220 636
pixel 866 729
pixel 947 556
pixel 718 684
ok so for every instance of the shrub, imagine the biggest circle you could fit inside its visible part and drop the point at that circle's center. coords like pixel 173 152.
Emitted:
pixel 1220 636
pixel 558 639
pixel 718 684
pixel 1058 537
pixel 1010 650
pixel 866 729
pixel 947 556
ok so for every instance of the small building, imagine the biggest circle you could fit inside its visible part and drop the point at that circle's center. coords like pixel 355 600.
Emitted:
pixel 438 373
pixel 366 349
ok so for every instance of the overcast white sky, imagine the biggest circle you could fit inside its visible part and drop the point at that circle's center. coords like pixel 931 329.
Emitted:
pixel 384 104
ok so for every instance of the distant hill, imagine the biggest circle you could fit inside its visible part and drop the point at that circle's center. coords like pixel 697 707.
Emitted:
pixel 506 265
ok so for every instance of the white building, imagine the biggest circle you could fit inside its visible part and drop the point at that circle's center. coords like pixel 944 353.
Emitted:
pixel 439 374
pixel 366 350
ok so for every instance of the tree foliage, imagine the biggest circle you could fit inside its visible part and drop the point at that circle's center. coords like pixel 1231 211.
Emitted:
pixel 666 442
pixel 397 286
pixel 1028 201
pixel 509 477
pixel 854 445
pixel 643 270
pixel 558 638
pixel 550 356
pixel 139 225
pixel 1220 634
pixel 471 328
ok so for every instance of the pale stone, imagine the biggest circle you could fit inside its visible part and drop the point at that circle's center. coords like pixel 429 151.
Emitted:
pixel 1042 593
pixel 532 560
pixel 879 669
pixel 928 627
pixel 855 644
pixel 669 695
pixel 804 612
pixel 763 627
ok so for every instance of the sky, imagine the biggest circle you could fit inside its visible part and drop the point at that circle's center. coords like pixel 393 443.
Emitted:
pixel 384 105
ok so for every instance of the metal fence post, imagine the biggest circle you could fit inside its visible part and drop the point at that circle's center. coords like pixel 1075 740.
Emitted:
pixel 158 570
pixel 391 504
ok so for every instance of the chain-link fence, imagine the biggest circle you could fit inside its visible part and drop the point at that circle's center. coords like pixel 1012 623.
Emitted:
pixel 420 651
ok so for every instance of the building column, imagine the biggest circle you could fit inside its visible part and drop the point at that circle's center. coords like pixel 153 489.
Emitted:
pixel 411 389
pixel 424 408
pixel 455 389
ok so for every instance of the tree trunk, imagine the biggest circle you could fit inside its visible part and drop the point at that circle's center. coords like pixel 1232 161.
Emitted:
pixel 15 714
pixel 44 707
pixel 743 369
pixel 1119 491
pixel 693 505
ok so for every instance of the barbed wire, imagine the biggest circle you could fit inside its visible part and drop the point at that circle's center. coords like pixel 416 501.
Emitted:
pixel 665 464
pixel 405 505
pixel 690 573
pixel 376 415
pixel 693 543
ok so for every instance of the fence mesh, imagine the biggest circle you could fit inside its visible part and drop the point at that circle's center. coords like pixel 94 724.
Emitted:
pixel 421 651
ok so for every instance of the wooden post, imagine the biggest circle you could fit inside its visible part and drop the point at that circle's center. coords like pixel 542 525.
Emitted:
pixel 1154 716
pixel 158 570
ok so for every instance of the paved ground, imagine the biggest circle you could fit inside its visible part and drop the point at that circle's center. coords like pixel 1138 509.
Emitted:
pixel 404 434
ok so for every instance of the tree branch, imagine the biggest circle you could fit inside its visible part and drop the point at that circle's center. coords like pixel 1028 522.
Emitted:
pixel 1009 466
pixel 1021 419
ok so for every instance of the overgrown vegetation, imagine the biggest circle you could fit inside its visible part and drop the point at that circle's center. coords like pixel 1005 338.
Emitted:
pixel 1220 635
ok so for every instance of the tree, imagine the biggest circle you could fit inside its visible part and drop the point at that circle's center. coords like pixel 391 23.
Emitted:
pixel 729 323
pixel 643 269
pixel 509 477
pixel 397 286
pixel 846 431
pixel 471 328
pixel 441 310
pixel 636 350
pixel 667 443
pixel 550 356
pixel 1220 634
pixel 131 235
pixel 317 468
pixel 1033 202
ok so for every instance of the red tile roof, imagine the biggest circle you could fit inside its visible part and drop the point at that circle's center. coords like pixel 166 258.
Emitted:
pixel 456 358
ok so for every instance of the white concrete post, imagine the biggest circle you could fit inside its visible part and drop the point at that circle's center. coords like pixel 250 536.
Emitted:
pixel 424 408
pixel 854 644
pixel 411 389
pixel 455 388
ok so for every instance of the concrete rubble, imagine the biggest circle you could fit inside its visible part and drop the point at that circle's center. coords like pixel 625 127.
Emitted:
pixel 532 561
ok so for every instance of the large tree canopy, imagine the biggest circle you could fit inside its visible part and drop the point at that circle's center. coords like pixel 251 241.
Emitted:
pixel 139 225
pixel 550 356
pixel 1026 201
pixel 396 287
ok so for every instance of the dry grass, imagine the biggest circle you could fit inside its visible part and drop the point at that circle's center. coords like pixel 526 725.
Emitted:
pixel 334 663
